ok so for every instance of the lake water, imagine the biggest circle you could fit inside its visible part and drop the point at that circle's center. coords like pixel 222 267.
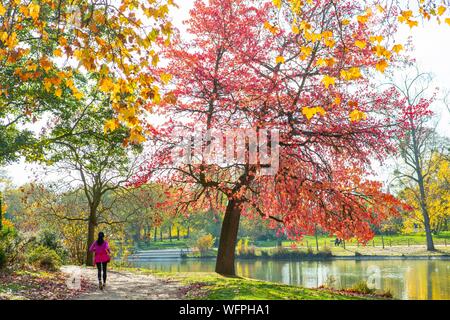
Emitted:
pixel 406 279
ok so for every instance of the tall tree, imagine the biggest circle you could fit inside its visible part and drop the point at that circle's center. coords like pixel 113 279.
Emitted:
pixel 87 158
pixel 437 189
pixel 418 141
pixel 236 70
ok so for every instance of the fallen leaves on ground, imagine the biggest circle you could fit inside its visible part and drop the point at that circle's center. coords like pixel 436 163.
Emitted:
pixel 39 286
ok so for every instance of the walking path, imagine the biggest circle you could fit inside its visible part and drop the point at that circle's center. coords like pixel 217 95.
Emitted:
pixel 123 285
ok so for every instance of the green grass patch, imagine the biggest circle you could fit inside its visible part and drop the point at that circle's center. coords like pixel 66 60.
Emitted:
pixel 216 287
pixel 212 286
pixel 389 240
pixel 310 241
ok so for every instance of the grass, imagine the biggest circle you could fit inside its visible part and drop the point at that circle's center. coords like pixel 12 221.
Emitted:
pixel 303 253
pixel 310 241
pixel 212 286
pixel 394 240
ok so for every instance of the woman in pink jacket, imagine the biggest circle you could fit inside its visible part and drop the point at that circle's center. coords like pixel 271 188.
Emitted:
pixel 102 257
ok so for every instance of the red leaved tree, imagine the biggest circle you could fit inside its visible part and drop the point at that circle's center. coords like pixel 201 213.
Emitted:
pixel 236 70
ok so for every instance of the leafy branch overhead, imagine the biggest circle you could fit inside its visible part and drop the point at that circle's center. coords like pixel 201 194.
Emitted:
pixel 46 45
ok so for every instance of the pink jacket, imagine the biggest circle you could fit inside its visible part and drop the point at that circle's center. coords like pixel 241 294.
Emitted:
pixel 101 252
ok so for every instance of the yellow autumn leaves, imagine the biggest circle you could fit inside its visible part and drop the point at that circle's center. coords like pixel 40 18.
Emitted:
pixel 280 59
pixel 120 46
pixel 31 10
pixel 407 16
pixel 354 115
pixel 310 112
pixel 277 3
pixel 349 74
pixel 10 41
pixel 56 84
pixel 327 81
pixel 373 43
pixel 357 115
pixel 361 44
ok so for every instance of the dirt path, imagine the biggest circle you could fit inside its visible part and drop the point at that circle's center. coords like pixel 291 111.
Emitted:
pixel 123 285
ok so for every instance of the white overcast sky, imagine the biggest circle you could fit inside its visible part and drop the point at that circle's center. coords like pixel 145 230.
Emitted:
pixel 432 52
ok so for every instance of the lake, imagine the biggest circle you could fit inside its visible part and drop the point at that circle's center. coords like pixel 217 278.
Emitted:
pixel 405 279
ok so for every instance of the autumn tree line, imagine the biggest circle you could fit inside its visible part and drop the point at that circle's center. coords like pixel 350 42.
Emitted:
pixel 79 81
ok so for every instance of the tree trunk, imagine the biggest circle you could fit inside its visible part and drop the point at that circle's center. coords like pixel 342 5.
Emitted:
pixel 170 233
pixel 188 232
pixel 228 238
pixel 423 198
pixel 137 234
pixel 426 222
pixel 317 243
pixel 424 209
pixel 1 213
pixel 160 234
pixel 154 235
pixel 178 233
pixel 90 238
pixel 317 239
pixel 145 235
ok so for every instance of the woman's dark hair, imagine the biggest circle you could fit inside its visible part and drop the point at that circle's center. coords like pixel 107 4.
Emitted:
pixel 100 239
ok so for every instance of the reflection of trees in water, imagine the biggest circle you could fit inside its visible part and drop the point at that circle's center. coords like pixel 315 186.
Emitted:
pixel 438 279
pixel 392 277
pixel 429 281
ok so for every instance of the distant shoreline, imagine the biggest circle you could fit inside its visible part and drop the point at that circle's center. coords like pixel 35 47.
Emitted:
pixel 258 258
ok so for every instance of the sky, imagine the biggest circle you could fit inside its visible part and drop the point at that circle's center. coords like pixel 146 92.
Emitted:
pixel 432 53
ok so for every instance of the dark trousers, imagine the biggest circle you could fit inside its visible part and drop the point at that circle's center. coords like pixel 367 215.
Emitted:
pixel 102 266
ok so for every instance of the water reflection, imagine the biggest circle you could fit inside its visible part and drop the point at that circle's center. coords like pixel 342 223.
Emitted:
pixel 405 279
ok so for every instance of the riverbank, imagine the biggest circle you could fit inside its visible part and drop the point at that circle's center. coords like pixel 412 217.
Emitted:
pixel 338 252
pixel 441 240
pixel 212 286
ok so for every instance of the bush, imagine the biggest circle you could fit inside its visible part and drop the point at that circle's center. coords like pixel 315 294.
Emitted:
pixel 283 253
pixel 3 259
pixel 330 281
pixel 45 258
pixel 295 254
pixel 50 239
pixel 325 252
pixel 362 287
pixel 245 251
pixel 205 243
pixel 10 245
pixel 387 294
